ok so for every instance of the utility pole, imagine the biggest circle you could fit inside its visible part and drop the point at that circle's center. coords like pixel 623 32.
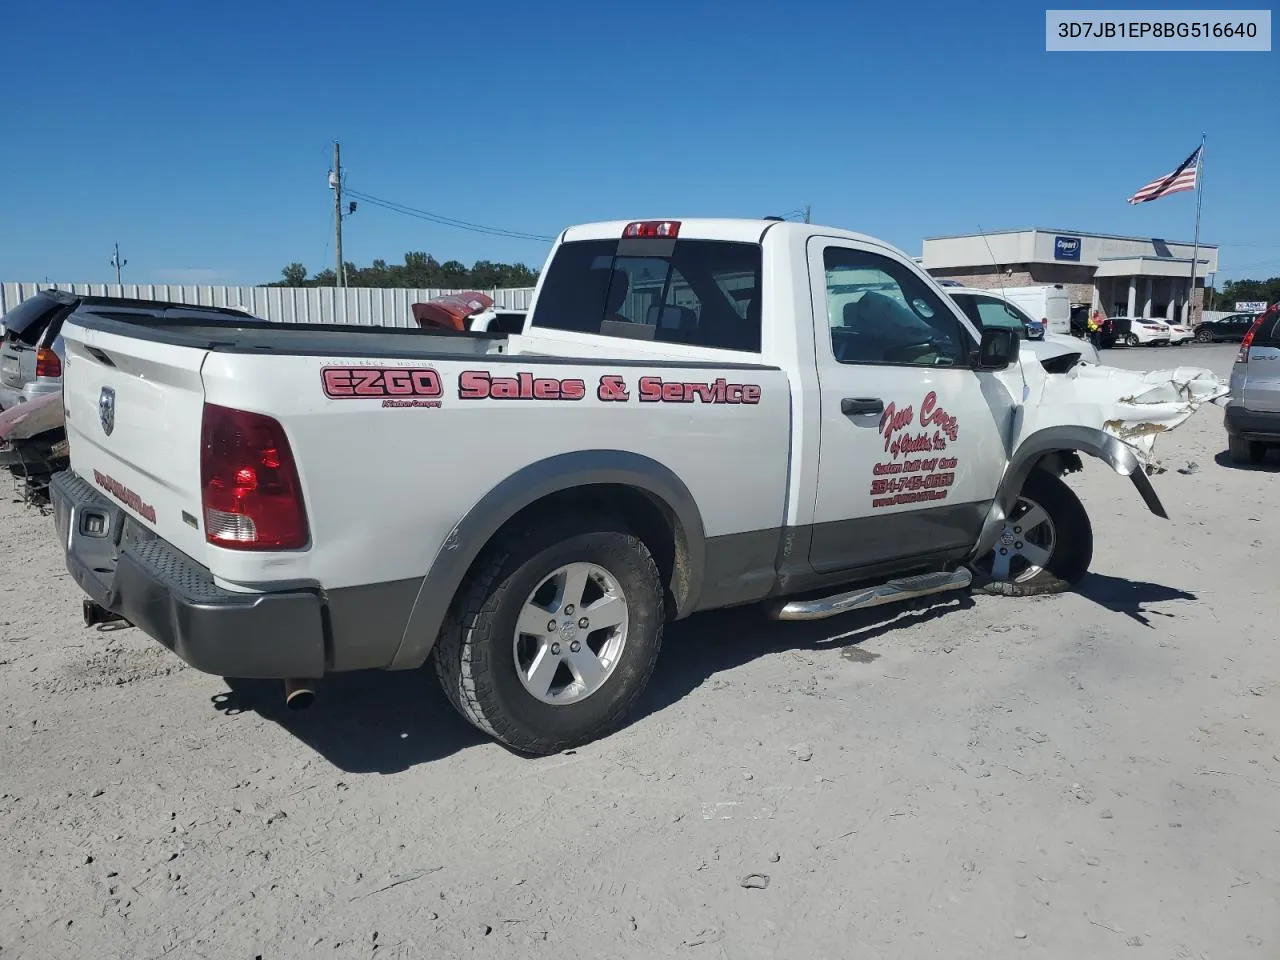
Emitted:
pixel 806 214
pixel 118 264
pixel 335 183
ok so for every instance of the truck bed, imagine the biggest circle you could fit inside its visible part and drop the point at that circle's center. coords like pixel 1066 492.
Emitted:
pixel 251 335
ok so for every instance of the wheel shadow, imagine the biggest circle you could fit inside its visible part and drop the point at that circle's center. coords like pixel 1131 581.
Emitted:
pixel 1270 463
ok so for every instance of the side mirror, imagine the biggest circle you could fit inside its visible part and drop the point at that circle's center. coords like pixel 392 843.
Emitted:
pixel 998 348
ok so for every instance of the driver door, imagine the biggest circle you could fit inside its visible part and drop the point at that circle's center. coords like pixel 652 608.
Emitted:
pixel 913 440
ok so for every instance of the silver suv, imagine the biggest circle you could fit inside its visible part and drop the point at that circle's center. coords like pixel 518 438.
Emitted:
pixel 1253 407
pixel 31 347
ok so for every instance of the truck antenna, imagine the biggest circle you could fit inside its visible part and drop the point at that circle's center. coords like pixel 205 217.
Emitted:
pixel 999 279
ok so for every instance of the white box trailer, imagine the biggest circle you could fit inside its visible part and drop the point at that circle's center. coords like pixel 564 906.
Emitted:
pixel 1049 303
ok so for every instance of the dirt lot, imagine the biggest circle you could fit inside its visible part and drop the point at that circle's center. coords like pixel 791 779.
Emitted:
pixel 1090 775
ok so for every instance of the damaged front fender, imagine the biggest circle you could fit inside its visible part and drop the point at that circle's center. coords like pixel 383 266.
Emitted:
pixel 1040 446
pixel 1111 414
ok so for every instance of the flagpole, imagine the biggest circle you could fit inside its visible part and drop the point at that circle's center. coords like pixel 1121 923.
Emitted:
pixel 1195 250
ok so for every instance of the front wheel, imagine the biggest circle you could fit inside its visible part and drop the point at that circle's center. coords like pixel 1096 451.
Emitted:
pixel 1045 546
pixel 556 636
pixel 1204 336
pixel 1131 340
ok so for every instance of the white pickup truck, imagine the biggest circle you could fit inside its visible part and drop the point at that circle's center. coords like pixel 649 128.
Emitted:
pixel 697 414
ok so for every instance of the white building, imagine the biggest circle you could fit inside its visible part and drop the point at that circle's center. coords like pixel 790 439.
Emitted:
pixel 1122 276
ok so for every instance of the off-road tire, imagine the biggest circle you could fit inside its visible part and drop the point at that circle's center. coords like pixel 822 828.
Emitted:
pixel 1072 553
pixel 474 657
pixel 1241 450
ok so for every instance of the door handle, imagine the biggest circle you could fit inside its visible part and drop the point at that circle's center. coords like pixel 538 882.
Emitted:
pixel 852 406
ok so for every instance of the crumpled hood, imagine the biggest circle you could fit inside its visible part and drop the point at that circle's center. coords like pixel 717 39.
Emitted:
pixel 1134 406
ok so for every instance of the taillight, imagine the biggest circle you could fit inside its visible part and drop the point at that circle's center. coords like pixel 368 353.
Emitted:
pixel 47 363
pixel 662 229
pixel 1247 342
pixel 249 484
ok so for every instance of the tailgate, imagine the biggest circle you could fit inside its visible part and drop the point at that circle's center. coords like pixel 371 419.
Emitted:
pixel 14 355
pixel 1262 379
pixel 133 414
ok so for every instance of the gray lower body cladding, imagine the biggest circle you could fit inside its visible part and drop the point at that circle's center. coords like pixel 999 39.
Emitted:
pixel 300 632
pixel 1260 425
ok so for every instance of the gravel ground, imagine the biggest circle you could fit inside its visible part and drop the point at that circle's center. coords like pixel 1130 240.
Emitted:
pixel 1095 774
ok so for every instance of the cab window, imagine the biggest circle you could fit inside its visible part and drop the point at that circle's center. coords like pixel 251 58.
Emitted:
pixel 880 312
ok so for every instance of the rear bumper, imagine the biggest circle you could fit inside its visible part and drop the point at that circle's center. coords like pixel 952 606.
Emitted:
pixel 1252 424
pixel 126 568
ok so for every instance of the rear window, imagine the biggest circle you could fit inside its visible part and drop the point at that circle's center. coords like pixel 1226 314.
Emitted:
pixel 705 293
pixel 28 319
pixel 1269 330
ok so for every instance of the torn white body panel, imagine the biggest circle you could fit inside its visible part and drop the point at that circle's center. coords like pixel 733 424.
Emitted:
pixel 1133 406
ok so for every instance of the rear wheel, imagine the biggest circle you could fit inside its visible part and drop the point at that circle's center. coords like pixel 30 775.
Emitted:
pixel 1246 451
pixel 556 636
pixel 1045 546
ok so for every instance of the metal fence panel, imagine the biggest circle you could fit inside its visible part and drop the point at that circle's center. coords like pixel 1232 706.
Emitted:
pixel 369 306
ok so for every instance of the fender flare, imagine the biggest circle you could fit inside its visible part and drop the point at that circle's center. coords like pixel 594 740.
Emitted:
pixel 1097 443
pixel 524 488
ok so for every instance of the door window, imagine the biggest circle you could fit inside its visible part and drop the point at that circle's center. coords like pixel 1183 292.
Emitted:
pixel 880 312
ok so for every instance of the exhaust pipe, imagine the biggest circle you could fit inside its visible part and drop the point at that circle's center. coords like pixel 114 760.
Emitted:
pixel 94 614
pixel 299 694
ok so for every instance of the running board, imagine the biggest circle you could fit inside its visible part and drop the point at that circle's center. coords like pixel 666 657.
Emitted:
pixel 904 588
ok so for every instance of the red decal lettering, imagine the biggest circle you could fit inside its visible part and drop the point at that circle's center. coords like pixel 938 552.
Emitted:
pixel 473 385
pixel 337 383
pixel 932 414
pixel 368 383
pixel 718 391
pixel 480 385
pixel 612 389
pixel 125 496
pixel 544 389
pixel 362 382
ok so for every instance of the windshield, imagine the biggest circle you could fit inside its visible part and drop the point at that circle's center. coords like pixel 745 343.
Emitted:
pixel 990 313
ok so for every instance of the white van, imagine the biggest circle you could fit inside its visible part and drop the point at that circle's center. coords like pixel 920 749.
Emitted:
pixel 1050 304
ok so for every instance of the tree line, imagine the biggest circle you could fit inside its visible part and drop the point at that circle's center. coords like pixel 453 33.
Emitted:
pixel 419 270
pixel 1233 290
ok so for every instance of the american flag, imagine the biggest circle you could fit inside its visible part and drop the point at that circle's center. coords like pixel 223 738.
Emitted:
pixel 1180 181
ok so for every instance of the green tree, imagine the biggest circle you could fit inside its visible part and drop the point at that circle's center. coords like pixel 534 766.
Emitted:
pixel 419 270
pixel 295 275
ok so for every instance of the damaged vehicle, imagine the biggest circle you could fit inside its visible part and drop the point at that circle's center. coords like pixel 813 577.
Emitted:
pixel 33 444
pixel 469 310
pixel 696 414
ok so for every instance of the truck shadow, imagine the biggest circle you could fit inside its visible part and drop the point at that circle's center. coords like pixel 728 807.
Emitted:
pixel 370 721
pixel 380 722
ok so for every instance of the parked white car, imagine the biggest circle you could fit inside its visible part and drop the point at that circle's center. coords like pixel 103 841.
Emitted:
pixel 1178 333
pixel 990 308
pixel 1145 332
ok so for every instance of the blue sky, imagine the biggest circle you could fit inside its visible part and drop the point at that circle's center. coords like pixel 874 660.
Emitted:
pixel 200 137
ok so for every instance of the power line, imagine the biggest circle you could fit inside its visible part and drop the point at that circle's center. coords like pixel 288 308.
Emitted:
pixel 443 220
